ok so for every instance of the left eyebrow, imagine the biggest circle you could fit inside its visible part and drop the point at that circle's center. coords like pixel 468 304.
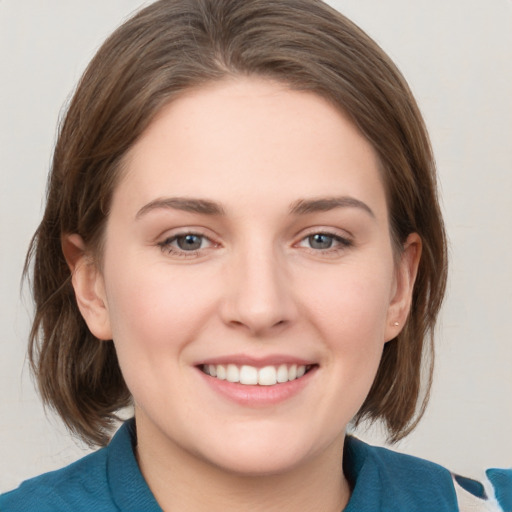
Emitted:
pixel 323 204
pixel 201 206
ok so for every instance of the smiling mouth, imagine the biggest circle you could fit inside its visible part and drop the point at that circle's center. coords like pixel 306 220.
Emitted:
pixel 252 376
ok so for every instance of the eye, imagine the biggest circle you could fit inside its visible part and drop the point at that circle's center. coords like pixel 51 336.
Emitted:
pixel 320 241
pixel 326 242
pixel 185 244
pixel 189 242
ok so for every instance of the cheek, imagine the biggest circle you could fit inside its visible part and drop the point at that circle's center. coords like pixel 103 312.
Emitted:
pixel 352 309
pixel 157 308
pixel 348 318
pixel 351 314
pixel 154 315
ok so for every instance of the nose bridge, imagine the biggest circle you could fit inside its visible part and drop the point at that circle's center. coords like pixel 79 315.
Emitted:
pixel 259 295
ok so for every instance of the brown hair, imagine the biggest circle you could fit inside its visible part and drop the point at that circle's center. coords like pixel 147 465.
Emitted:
pixel 171 46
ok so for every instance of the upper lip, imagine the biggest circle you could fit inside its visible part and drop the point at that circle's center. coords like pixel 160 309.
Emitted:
pixel 257 362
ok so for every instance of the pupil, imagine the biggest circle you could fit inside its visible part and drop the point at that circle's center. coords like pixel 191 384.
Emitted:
pixel 189 242
pixel 320 241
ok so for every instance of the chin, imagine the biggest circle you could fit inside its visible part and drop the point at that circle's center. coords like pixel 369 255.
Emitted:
pixel 263 452
pixel 248 463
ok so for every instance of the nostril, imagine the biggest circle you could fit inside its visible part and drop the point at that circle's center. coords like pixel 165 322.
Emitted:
pixel 257 325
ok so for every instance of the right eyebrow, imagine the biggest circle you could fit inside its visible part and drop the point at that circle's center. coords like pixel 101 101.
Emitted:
pixel 324 204
pixel 202 206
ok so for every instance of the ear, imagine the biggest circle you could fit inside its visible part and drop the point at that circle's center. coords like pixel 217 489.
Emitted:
pixel 89 286
pixel 405 277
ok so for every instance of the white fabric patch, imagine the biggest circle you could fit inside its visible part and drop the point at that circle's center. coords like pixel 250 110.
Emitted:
pixel 470 503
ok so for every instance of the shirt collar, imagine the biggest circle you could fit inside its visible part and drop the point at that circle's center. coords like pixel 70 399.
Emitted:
pixel 380 479
pixel 388 481
pixel 130 492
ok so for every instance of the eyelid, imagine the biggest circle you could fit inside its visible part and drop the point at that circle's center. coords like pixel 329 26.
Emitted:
pixel 170 236
pixel 175 232
pixel 344 239
pixel 324 230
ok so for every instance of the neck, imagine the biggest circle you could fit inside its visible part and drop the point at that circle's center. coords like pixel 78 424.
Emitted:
pixel 180 480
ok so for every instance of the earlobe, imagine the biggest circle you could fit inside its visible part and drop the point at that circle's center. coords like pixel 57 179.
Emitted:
pixel 406 272
pixel 88 285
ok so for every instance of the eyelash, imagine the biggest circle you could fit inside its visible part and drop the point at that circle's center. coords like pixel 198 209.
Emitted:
pixel 340 244
pixel 167 247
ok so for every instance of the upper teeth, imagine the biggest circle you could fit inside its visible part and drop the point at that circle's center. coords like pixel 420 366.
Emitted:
pixel 250 375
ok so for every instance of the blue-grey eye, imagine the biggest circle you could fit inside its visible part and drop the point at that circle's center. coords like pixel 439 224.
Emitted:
pixel 189 242
pixel 320 241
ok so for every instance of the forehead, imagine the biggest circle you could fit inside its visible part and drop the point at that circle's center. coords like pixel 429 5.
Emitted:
pixel 253 140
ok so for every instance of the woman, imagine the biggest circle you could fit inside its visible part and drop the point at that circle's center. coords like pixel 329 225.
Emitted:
pixel 242 238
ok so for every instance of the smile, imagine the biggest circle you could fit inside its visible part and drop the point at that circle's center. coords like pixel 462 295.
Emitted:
pixel 251 376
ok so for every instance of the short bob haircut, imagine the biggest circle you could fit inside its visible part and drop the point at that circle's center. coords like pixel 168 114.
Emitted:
pixel 175 45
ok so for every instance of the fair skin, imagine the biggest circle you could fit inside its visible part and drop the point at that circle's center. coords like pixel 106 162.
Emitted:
pixel 250 229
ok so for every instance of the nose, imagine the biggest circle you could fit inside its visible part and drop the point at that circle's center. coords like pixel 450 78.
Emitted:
pixel 258 296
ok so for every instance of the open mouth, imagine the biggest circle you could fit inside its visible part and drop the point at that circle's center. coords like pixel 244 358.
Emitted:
pixel 252 376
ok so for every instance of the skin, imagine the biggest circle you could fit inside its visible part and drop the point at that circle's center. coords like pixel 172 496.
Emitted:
pixel 258 286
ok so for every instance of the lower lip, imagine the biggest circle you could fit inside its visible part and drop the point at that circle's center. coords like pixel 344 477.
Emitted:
pixel 258 396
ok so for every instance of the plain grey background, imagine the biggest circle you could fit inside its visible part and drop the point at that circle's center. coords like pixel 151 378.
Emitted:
pixel 457 57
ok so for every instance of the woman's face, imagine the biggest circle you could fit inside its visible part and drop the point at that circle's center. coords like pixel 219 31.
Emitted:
pixel 248 279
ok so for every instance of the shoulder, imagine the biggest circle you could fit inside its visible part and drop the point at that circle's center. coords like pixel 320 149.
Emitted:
pixel 393 481
pixel 397 482
pixel 79 486
pixel 104 481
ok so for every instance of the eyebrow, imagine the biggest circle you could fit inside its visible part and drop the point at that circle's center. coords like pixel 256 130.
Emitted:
pixel 323 204
pixel 207 207
pixel 201 206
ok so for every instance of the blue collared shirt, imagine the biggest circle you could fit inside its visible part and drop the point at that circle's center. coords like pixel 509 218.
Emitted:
pixel 381 481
